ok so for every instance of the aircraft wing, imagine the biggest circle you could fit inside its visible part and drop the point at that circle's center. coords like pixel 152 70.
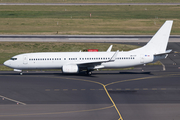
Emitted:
pixel 97 62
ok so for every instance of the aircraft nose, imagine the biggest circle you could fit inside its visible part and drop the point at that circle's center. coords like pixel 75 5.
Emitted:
pixel 7 63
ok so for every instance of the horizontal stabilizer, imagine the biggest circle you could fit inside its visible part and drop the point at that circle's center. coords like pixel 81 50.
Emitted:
pixel 167 52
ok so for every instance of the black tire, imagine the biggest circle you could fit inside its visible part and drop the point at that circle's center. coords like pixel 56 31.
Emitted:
pixel 89 73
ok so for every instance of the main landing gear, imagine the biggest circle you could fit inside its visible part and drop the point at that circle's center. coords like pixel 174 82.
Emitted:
pixel 89 72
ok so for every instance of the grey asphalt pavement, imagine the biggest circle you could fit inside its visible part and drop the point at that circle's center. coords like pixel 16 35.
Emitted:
pixel 144 93
pixel 81 38
pixel 89 4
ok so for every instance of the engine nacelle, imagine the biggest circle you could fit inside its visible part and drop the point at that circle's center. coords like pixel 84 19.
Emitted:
pixel 70 69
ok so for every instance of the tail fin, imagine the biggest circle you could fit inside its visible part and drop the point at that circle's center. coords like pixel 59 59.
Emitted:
pixel 158 42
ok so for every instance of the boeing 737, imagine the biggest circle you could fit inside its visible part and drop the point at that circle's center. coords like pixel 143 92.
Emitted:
pixel 74 62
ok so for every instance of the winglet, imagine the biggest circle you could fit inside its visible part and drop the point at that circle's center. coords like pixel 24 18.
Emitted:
pixel 109 49
pixel 114 56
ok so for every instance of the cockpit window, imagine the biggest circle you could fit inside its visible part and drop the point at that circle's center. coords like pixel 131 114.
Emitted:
pixel 13 59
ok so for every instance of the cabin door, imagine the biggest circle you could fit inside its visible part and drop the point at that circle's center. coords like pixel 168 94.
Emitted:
pixel 25 59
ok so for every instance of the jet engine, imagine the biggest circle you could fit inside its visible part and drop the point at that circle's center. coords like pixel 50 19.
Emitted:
pixel 70 69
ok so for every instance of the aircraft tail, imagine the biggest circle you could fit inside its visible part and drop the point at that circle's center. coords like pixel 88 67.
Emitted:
pixel 158 43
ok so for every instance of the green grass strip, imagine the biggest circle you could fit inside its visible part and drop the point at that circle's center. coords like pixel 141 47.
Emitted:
pixel 90 1
pixel 76 20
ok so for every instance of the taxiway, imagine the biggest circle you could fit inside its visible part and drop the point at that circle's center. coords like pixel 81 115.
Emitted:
pixel 51 95
pixel 144 93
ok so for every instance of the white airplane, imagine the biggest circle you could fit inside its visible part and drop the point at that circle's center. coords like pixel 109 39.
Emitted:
pixel 74 62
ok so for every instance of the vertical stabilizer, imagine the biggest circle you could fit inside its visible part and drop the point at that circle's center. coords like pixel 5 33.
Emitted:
pixel 161 38
pixel 158 42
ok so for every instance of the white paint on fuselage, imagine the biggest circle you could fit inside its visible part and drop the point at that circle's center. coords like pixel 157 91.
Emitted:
pixel 55 60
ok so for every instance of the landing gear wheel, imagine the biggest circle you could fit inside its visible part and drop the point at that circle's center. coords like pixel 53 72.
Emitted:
pixel 89 73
